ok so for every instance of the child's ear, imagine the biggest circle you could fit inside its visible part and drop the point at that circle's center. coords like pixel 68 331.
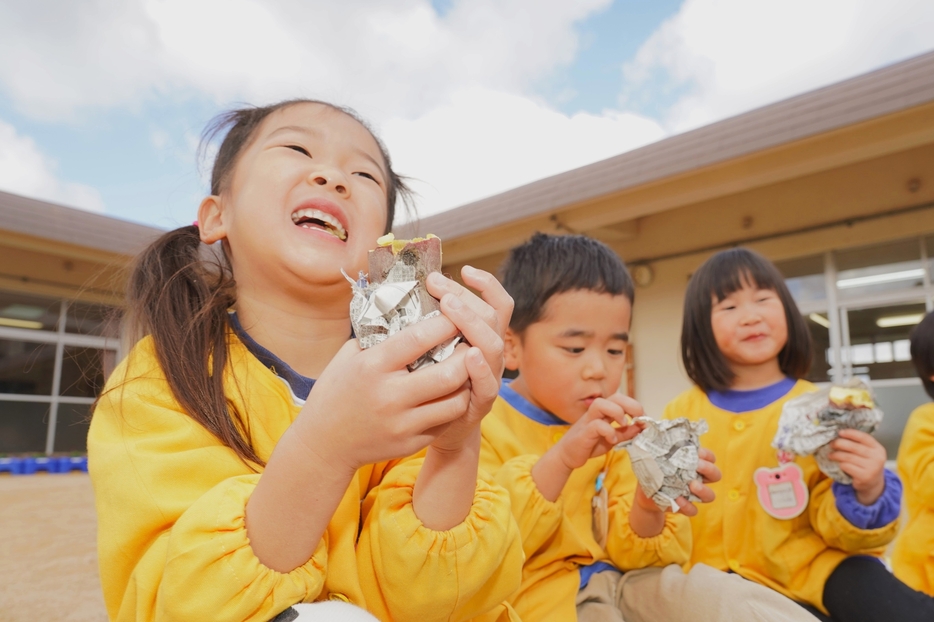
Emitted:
pixel 512 349
pixel 210 220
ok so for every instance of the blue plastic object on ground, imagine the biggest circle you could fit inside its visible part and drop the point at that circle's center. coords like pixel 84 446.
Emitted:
pixel 50 464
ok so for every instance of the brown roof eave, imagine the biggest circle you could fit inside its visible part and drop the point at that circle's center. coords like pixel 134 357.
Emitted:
pixel 885 91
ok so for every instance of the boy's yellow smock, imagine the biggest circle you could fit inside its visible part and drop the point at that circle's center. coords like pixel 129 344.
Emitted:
pixel 558 537
pixel 794 556
pixel 913 557
pixel 172 543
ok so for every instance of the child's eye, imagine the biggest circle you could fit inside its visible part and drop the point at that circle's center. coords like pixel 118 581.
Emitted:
pixel 299 149
pixel 367 175
pixel 616 352
pixel 574 350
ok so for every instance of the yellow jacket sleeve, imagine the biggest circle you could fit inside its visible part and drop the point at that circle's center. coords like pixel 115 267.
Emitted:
pixel 398 555
pixel 170 502
pixel 916 457
pixel 538 518
pixel 628 550
pixel 837 531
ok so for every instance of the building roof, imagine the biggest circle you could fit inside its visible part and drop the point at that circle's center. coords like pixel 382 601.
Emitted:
pixel 59 223
pixel 888 90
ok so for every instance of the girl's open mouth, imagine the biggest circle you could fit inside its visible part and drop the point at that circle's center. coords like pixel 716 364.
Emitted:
pixel 310 218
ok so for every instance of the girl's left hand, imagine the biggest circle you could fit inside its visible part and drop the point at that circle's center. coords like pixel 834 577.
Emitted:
pixel 861 457
pixel 648 520
pixel 709 473
pixel 483 320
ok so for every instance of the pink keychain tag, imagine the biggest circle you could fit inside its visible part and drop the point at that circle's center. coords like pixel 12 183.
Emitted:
pixel 781 490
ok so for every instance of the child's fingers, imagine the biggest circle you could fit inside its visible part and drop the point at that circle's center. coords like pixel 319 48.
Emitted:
pixel 852 447
pixel 843 458
pixel 629 405
pixel 433 381
pixel 629 432
pixel 407 345
pixel 704 493
pixel 858 436
pixel 484 384
pixel 686 507
pixel 853 469
pixel 705 454
pixel 476 331
pixel 492 291
pixel 493 305
pixel 606 431
pixel 608 409
pixel 708 471
pixel 432 418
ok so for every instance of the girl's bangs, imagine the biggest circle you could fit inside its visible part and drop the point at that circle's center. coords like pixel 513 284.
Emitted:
pixel 732 270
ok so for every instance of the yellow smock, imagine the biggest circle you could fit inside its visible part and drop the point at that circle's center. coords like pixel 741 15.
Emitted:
pixel 558 536
pixel 171 499
pixel 913 557
pixel 794 557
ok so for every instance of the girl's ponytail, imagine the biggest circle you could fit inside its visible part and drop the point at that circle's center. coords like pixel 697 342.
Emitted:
pixel 180 296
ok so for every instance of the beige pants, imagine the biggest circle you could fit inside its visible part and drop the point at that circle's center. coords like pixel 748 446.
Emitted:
pixel 331 611
pixel 670 595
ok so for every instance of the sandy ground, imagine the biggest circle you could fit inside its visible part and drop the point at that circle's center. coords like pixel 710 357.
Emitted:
pixel 48 553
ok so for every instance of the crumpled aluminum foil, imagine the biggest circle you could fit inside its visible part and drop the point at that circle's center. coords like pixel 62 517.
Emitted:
pixel 392 294
pixel 664 458
pixel 809 423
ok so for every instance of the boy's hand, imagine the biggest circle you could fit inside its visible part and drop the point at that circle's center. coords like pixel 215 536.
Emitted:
pixel 483 320
pixel 861 457
pixel 647 519
pixel 593 434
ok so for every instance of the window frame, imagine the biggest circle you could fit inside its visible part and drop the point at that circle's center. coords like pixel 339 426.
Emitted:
pixel 61 339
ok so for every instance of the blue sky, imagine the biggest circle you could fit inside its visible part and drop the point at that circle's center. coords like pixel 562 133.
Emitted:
pixel 101 106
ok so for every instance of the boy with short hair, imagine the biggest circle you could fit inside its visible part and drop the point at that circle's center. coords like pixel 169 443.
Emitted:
pixel 913 556
pixel 596 547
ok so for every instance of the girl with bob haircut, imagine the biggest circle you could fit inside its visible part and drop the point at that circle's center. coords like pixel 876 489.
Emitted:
pixel 779 521
pixel 247 455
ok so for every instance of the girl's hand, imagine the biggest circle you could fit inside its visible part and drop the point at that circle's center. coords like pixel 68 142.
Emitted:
pixel 709 473
pixel 861 457
pixel 367 407
pixel 483 321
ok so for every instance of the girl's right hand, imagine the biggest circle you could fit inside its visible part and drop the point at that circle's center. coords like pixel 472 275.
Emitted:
pixel 367 407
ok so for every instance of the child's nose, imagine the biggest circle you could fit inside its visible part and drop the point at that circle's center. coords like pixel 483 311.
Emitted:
pixel 329 178
pixel 594 368
pixel 751 315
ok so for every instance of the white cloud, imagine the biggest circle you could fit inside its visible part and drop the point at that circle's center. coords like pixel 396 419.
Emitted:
pixel 25 170
pixel 484 142
pixel 449 93
pixel 734 55
pixel 387 58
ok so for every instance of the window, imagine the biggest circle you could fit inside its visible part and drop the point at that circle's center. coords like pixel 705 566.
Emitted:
pixel 54 357
pixel 805 279
pixel 878 341
pixel 861 325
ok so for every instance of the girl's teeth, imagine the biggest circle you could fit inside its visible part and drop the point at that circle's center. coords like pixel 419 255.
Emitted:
pixel 331 224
